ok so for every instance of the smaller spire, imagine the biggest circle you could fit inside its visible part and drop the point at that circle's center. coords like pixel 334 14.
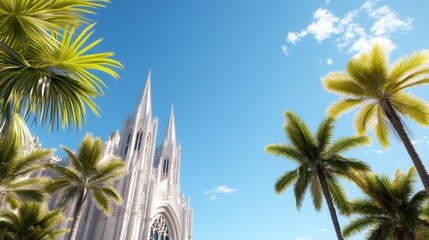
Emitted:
pixel 144 106
pixel 170 133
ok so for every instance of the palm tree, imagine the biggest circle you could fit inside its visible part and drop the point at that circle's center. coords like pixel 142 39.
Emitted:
pixel 87 176
pixel 30 221
pixel 390 209
pixel 15 168
pixel 319 164
pixel 46 68
pixel 369 82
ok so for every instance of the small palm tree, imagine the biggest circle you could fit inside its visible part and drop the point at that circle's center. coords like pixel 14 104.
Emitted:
pixel 319 164
pixel 46 68
pixel 15 168
pixel 30 221
pixel 369 82
pixel 390 209
pixel 87 176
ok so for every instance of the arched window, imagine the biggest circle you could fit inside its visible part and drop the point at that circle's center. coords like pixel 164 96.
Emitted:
pixel 166 165
pixel 159 230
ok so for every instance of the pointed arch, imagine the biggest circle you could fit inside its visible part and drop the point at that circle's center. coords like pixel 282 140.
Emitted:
pixel 171 220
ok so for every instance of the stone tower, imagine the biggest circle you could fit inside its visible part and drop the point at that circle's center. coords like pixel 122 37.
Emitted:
pixel 153 208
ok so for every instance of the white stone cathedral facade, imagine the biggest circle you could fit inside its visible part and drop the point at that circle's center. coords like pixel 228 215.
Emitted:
pixel 153 208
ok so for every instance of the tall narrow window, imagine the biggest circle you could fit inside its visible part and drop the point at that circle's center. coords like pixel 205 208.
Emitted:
pixel 140 142
pixel 128 143
pixel 159 230
pixel 137 139
pixel 166 163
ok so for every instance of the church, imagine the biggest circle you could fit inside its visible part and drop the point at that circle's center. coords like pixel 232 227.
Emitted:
pixel 153 208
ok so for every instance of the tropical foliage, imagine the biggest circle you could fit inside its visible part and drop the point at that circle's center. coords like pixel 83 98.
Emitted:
pixel 390 210
pixel 30 221
pixel 46 68
pixel 15 169
pixel 320 163
pixel 87 176
pixel 369 82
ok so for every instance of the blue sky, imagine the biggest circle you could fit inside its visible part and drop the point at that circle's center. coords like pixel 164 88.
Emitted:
pixel 232 68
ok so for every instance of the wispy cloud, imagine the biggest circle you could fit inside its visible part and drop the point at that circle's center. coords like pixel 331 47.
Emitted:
pixel 214 192
pixel 285 50
pixel 329 61
pixel 348 34
pixel 304 238
pixel 322 230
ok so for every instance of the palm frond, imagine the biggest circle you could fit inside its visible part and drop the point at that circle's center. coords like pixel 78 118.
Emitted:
pixel 343 84
pixel 299 135
pixel 285 181
pixel 345 144
pixel 357 225
pixel 412 107
pixel 381 128
pixel 324 133
pixel 343 106
pixel 32 20
pixel 285 151
pixel 338 194
pixel 364 117
pixel 316 193
pixel 403 68
pixel 301 185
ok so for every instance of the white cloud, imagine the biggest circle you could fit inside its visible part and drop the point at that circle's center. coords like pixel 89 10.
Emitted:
pixel 414 142
pixel 381 23
pixel 324 26
pixel 327 1
pixel 285 50
pixel 322 230
pixel 214 192
pixel 224 189
pixel 387 22
pixel 294 37
pixel 364 44
pixel 329 61
pixel 303 238
pixel 380 152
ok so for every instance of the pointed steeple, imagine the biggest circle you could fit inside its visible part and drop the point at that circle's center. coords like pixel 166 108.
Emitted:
pixel 170 132
pixel 144 107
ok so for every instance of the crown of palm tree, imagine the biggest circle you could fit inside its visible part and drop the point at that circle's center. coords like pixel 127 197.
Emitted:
pixel 53 83
pixel 371 83
pixel 30 221
pixel 314 153
pixel 390 209
pixel 89 172
pixel 15 168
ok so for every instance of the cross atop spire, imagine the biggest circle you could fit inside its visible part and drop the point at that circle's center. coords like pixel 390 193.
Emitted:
pixel 170 132
pixel 144 107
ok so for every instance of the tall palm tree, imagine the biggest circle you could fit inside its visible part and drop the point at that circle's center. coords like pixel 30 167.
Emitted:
pixel 390 209
pixel 30 221
pixel 319 164
pixel 379 89
pixel 15 168
pixel 46 67
pixel 87 176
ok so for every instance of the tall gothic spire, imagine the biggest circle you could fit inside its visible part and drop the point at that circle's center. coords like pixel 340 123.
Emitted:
pixel 170 132
pixel 144 107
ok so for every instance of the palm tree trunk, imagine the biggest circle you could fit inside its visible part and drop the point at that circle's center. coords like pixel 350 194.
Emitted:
pixel 399 128
pixel 77 214
pixel 330 203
